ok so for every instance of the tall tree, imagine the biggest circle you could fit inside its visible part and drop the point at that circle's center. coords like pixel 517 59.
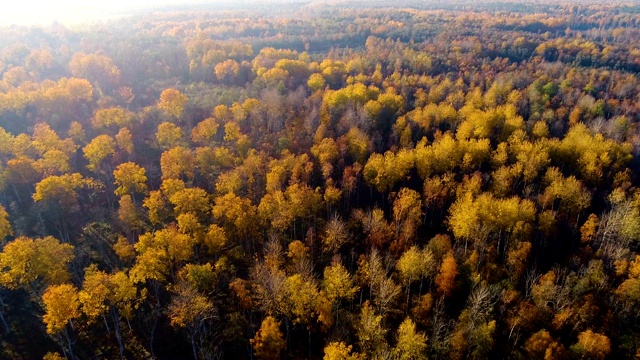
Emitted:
pixel 411 344
pixel 5 225
pixel 172 102
pixel 61 308
pixel 130 179
pixel 268 342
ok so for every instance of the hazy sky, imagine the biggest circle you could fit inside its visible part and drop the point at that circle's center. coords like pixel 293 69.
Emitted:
pixel 28 12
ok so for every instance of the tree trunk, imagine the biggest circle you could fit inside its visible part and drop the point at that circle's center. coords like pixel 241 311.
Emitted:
pixel 106 324
pixel 152 335
pixel 309 343
pixel 286 322
pixel 193 345
pixel 156 315
pixel 17 194
pixel 7 329
pixel 408 297
pixel 2 318
pixel 116 326
pixel 66 334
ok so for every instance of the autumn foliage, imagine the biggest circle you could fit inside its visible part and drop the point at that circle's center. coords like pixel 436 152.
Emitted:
pixel 372 181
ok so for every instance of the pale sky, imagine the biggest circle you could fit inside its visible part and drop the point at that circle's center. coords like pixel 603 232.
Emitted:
pixel 43 12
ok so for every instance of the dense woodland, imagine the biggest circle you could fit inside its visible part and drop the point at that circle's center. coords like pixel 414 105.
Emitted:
pixel 337 180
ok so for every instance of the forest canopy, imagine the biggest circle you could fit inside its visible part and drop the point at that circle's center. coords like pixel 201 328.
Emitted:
pixel 335 180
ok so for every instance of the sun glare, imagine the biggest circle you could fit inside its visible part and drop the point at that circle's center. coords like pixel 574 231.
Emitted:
pixel 43 12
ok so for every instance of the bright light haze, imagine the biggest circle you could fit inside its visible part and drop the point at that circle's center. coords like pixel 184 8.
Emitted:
pixel 68 12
